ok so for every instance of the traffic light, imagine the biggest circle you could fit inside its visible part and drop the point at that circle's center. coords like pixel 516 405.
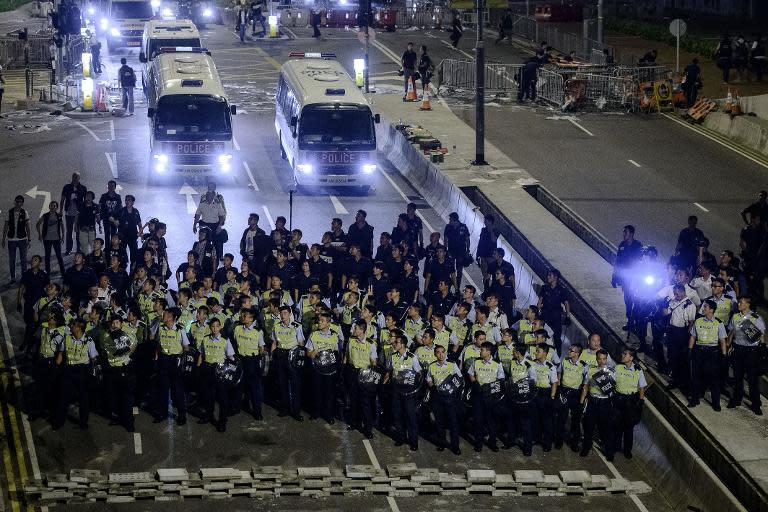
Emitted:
pixel 73 21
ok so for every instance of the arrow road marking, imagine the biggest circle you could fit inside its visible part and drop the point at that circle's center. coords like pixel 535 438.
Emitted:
pixel 33 192
pixel 187 190
pixel 112 160
pixel 338 206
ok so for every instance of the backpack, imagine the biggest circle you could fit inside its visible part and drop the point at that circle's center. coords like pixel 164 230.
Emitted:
pixel 128 77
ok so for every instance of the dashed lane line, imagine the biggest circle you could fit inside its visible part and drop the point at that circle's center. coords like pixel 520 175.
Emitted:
pixel 634 163
pixel 579 126
pixel 269 216
pixel 375 463
pixel 701 207
pixel 250 176
pixel 340 209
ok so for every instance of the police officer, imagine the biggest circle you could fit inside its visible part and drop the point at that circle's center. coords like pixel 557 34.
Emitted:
pixel 599 410
pixel 287 335
pixel 747 333
pixel 171 340
pixel 553 298
pixel 519 413
pixel 681 313
pixel 78 355
pixel 443 409
pixel 482 372
pixel 324 385
pixel 628 400
pixel 48 377
pixel 708 348
pixel 214 350
pixel 629 252
pixel 249 345
pixel 546 391
pixel 425 352
pixel 570 375
pixel 361 354
pixel 119 375
pixel 404 404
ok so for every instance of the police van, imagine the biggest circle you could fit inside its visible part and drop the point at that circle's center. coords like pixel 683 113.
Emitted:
pixel 123 24
pixel 324 123
pixel 190 117
pixel 160 34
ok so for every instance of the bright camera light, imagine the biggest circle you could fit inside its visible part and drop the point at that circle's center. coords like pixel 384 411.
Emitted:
pixel 305 168
pixel 369 168
pixel 115 32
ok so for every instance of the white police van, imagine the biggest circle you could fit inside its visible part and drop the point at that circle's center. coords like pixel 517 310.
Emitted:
pixel 324 123
pixel 124 21
pixel 190 117
pixel 165 34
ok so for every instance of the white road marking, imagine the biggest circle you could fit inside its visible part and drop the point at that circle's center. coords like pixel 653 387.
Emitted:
pixel 634 163
pixel 575 123
pixel 426 223
pixel 250 176
pixel 338 206
pixel 269 217
pixel 33 192
pixel 89 131
pixel 112 130
pixel 135 411
pixel 289 31
pixel 16 378
pixel 112 161
pixel 237 146
pixel 735 150
pixel 375 462
pixel 453 48
pixel 701 207
pixel 639 504
pixel 137 443
pixel 189 191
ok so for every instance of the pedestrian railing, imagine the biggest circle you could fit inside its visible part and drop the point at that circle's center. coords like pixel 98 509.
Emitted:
pixel 528 28
pixel 16 54
pixel 550 87
pixel 643 73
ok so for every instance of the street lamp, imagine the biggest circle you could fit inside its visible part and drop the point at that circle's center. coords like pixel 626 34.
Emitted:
pixel 479 88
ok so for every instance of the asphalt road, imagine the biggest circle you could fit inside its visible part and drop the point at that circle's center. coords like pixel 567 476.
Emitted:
pixel 102 149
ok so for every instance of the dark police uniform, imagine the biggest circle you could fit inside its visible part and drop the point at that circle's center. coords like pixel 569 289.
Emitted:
pixel 599 413
pixel 706 357
pixel 214 350
pixel 571 378
pixel 49 376
pixel 324 386
pixel 405 405
pixel 519 416
pixel 546 375
pixel 485 420
pixel 629 380
pixel 359 355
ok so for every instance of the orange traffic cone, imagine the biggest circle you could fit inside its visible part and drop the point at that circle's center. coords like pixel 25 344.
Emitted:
pixel 425 101
pixel 411 95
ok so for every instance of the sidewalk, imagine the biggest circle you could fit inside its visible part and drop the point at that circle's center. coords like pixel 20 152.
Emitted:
pixel 587 274
pixel 20 18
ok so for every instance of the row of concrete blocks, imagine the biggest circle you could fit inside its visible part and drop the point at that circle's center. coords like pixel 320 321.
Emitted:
pixel 398 480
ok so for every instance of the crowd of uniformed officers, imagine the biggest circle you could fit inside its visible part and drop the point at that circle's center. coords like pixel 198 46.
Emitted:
pixel 327 329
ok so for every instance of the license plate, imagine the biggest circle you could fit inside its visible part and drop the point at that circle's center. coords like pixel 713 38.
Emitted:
pixel 191 170
pixel 337 157
pixel 195 148
pixel 337 180
pixel 134 43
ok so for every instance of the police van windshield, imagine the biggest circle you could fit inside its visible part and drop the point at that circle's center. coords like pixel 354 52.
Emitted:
pixel 156 44
pixel 131 10
pixel 329 127
pixel 190 117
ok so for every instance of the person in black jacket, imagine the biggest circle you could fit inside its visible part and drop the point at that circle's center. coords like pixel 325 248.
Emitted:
pixel 408 62
pixel 50 231
pixel 361 233
pixel 127 79
pixel 110 205
pixel 18 236
pixel 72 196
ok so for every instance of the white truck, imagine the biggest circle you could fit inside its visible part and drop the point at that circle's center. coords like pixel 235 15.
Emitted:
pixel 123 22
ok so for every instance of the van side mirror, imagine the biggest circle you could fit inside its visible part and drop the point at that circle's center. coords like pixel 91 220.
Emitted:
pixel 294 121
pixel 233 109
pixel 150 112
pixel 377 118
pixel 143 57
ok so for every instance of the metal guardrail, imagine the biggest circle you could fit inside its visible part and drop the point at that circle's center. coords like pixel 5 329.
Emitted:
pixel 550 87
pixel 566 42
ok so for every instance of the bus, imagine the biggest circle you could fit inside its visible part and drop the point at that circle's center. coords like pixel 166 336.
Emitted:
pixel 159 34
pixel 324 123
pixel 123 24
pixel 190 118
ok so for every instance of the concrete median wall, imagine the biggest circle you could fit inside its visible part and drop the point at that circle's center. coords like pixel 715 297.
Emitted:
pixel 668 460
pixel 747 130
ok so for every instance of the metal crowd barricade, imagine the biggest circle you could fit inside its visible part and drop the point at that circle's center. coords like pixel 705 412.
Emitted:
pixel 409 18
pixel 644 73
pixel 34 52
pixel 608 92
pixel 550 87
pixel 460 74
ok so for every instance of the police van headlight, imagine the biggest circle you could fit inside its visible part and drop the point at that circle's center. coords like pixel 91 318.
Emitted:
pixel 155 4
pixel 225 162
pixel 160 162
pixel 369 168
pixel 91 11
pixel 305 168
pixel 104 23
pixel 207 13
pixel 167 13
pixel 115 32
